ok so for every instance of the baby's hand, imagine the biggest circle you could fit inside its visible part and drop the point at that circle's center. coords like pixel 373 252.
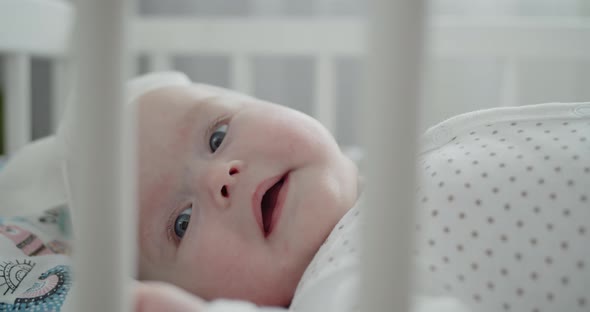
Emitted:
pixel 158 296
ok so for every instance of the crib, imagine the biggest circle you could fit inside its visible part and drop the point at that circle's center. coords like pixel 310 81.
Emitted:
pixel 107 30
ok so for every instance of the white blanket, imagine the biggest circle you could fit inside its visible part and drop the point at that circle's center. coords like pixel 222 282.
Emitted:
pixel 504 209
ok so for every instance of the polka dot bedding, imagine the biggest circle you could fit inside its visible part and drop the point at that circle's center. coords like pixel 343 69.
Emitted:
pixel 504 209
pixel 331 282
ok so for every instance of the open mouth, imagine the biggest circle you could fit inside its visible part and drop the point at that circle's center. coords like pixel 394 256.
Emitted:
pixel 269 203
pixel 268 200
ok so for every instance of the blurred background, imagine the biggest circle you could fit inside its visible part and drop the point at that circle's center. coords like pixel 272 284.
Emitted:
pixel 452 83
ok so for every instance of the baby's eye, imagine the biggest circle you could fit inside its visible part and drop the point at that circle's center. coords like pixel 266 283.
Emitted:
pixel 217 137
pixel 181 223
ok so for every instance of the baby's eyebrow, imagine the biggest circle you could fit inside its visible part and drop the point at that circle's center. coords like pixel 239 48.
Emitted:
pixel 200 107
pixel 154 237
pixel 148 242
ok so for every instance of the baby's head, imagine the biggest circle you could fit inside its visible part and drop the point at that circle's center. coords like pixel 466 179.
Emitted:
pixel 236 194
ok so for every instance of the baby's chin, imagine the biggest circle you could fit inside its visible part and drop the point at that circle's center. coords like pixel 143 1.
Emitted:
pixel 280 295
pixel 274 299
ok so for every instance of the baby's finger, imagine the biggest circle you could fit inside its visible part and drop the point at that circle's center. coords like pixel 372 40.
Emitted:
pixel 157 296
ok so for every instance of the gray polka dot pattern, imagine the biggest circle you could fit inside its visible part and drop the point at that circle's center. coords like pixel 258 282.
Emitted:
pixel 334 271
pixel 504 209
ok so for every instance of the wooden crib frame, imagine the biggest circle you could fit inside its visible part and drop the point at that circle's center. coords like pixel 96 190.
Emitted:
pixel 394 51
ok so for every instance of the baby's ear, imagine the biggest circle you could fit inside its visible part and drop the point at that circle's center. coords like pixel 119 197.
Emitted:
pixel 159 296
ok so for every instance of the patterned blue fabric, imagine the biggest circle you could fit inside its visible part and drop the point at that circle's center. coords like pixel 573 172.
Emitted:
pixel 35 261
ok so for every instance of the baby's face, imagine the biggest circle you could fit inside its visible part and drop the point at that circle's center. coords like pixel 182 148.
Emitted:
pixel 236 194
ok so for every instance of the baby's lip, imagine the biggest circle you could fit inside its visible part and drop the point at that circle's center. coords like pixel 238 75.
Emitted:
pixel 262 188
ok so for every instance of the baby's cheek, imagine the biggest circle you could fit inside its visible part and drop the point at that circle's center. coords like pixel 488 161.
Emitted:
pixel 157 296
pixel 208 263
pixel 301 143
pixel 225 266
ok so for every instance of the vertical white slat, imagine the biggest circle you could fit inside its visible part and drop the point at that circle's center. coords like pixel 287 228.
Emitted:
pixel 59 87
pixel 18 101
pixel 100 168
pixel 509 83
pixel 133 66
pixel 160 62
pixel 324 108
pixel 395 34
pixel 134 8
pixel 241 72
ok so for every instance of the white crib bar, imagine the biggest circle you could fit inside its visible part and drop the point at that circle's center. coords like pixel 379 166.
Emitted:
pixel 103 198
pixel 241 72
pixel 395 38
pixel 59 87
pixel 18 101
pixel 324 106
pixel 160 62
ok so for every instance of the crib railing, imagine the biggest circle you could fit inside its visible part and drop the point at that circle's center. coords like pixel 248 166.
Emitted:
pixel 510 40
pixel 28 28
pixel 241 39
pixel 395 49
pixel 102 172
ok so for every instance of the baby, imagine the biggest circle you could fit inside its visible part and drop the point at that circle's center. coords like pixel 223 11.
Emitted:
pixel 236 194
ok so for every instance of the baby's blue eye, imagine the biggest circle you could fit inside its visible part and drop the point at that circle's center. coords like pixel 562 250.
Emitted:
pixel 181 223
pixel 217 137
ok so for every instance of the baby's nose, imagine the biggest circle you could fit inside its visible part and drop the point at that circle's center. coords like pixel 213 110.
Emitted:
pixel 222 182
pixel 224 188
